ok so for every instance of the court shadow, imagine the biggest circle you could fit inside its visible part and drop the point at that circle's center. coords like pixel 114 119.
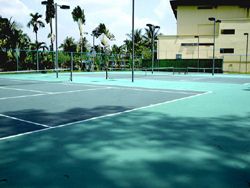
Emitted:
pixel 137 149
pixel 248 89
pixel 64 117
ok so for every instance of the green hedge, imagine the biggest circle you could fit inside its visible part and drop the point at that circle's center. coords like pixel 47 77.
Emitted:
pixel 183 63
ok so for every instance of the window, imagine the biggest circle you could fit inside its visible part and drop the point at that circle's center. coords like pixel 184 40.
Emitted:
pixel 206 44
pixel 178 56
pixel 226 50
pixel 205 7
pixel 188 44
pixel 196 44
pixel 228 31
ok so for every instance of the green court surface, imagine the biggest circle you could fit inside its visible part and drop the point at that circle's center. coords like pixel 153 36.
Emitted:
pixel 163 130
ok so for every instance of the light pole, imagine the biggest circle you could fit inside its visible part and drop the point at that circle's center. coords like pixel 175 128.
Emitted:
pixel 56 17
pixel 133 38
pixel 214 20
pixel 152 29
pixel 247 34
pixel 198 44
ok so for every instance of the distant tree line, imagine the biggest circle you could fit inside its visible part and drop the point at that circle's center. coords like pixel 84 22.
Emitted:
pixel 16 47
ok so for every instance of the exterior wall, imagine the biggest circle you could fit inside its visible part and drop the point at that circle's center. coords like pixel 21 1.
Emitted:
pixel 236 67
pixel 169 46
pixel 193 21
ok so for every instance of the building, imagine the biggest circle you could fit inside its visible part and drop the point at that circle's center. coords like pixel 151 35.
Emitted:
pixel 196 33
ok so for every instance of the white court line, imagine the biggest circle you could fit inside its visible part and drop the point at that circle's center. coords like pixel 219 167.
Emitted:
pixel 19 89
pixel 55 82
pixel 198 78
pixel 22 96
pixel 135 109
pixel 80 90
pixel 137 89
pixel 52 93
pixel 24 81
pixel 157 90
pixel 104 116
pixel 22 120
pixel 79 84
pixel 26 133
pixel 245 84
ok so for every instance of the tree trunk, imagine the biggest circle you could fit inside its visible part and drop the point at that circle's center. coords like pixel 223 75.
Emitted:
pixel 51 35
pixel 37 63
pixel 36 41
pixel 51 40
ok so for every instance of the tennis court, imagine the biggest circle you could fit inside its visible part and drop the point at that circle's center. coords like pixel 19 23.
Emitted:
pixel 168 76
pixel 163 130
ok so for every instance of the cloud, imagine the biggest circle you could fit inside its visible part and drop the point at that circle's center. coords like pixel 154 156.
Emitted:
pixel 13 8
pixel 115 14
pixel 161 9
pixel 95 3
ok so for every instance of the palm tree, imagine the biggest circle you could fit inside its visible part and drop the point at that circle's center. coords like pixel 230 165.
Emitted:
pixel 95 35
pixel 102 29
pixel 127 46
pixel 84 44
pixel 43 47
pixel 139 42
pixel 50 14
pixel 12 38
pixel 79 17
pixel 118 53
pixel 19 41
pixel 11 35
pixel 36 23
pixel 148 37
pixel 8 33
pixel 116 49
pixel 69 45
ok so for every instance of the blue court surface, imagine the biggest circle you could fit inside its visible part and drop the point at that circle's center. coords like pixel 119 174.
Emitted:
pixel 47 104
pixel 163 130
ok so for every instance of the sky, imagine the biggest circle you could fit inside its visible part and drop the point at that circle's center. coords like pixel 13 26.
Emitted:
pixel 115 14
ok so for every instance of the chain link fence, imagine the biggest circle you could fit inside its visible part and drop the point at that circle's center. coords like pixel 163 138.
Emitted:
pixel 27 60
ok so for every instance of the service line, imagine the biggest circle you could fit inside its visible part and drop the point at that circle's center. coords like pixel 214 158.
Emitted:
pixel 52 93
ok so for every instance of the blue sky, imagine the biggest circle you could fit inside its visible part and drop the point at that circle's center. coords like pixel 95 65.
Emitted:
pixel 115 14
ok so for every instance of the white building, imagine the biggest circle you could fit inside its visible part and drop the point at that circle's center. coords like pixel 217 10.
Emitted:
pixel 195 32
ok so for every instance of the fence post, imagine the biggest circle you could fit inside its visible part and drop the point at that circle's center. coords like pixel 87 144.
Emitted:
pixel 71 66
pixel 17 60
pixel 240 65
pixel 37 61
